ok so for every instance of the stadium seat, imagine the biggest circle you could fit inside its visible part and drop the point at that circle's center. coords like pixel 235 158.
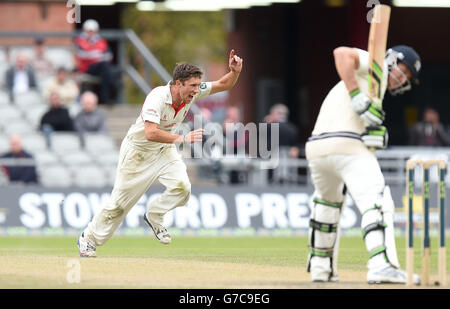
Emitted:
pixel 34 142
pixel 65 142
pixel 77 158
pixel 46 158
pixel 9 114
pixel 90 176
pixel 3 68
pixel 34 114
pixel 108 158
pixel 4 144
pixel 16 49
pixel 110 174
pixel 55 176
pixel 28 99
pixel 61 56
pixel 4 98
pixel 19 126
pixel 98 144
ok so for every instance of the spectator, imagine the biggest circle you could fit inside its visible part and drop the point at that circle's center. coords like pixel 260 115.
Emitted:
pixel 287 142
pixel 93 58
pixel 20 77
pixel 429 132
pixel 25 174
pixel 288 137
pixel 66 87
pixel 43 67
pixel 57 118
pixel 90 119
pixel 235 140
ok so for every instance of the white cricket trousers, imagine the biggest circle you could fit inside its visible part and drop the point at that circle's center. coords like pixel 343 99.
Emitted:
pixel 137 169
pixel 361 174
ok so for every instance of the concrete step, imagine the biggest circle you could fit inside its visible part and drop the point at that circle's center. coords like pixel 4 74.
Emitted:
pixel 120 118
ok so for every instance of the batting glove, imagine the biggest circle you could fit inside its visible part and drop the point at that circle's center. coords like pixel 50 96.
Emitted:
pixel 375 137
pixel 370 112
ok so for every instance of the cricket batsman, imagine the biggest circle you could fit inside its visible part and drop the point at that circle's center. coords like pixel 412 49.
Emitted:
pixel 341 159
pixel 148 153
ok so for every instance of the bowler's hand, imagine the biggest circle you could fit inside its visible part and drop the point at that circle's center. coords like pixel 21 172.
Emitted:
pixel 235 62
pixel 194 136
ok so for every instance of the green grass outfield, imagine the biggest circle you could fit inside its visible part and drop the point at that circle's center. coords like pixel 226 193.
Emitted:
pixel 201 262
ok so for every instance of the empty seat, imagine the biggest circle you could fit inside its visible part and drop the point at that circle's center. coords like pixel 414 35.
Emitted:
pixel 28 99
pixel 98 143
pixel 18 126
pixel 65 142
pixel 9 114
pixel 46 158
pixel 110 174
pixel 60 56
pixel 55 176
pixel 4 144
pixel 77 158
pixel 4 98
pixel 34 114
pixel 34 142
pixel 90 176
pixel 108 158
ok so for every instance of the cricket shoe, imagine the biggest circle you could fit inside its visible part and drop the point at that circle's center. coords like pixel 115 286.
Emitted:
pixel 389 274
pixel 321 271
pixel 154 221
pixel 86 248
pixel 323 277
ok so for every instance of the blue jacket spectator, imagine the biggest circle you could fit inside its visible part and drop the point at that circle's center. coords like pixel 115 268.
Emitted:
pixel 19 173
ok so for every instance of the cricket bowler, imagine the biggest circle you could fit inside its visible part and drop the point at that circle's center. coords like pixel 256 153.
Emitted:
pixel 148 153
pixel 341 158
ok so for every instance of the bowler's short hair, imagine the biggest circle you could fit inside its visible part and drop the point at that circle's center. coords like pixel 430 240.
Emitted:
pixel 183 71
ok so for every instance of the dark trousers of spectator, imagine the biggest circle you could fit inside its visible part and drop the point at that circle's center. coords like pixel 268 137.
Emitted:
pixel 103 71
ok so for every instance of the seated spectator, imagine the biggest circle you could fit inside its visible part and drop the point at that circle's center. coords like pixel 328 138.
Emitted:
pixel 93 57
pixel 287 141
pixel 236 142
pixel 20 173
pixel 57 118
pixel 429 132
pixel 20 77
pixel 67 88
pixel 43 67
pixel 90 119
pixel 288 132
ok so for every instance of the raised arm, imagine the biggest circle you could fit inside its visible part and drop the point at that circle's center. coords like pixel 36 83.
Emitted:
pixel 227 81
pixel 347 61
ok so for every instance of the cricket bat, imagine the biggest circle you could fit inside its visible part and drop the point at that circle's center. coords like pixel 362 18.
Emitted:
pixel 377 49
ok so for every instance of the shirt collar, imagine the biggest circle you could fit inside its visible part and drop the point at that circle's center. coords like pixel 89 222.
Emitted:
pixel 169 95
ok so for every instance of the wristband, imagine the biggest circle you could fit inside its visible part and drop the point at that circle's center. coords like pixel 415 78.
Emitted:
pixel 184 139
pixel 354 92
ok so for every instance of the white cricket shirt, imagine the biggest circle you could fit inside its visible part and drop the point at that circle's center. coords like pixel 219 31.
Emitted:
pixel 338 127
pixel 158 108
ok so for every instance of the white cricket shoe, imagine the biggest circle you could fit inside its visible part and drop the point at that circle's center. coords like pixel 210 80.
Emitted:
pixel 155 222
pixel 389 274
pixel 321 271
pixel 86 248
